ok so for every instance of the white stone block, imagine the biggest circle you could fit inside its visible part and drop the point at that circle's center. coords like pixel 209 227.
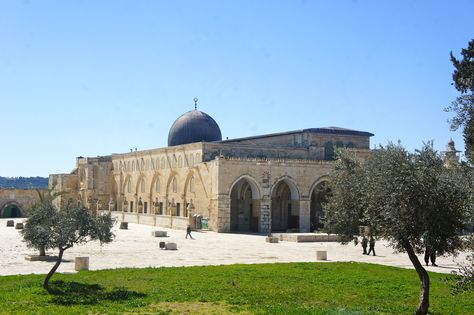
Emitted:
pixel 321 255
pixel 124 225
pixel 171 246
pixel 81 263
pixel 159 233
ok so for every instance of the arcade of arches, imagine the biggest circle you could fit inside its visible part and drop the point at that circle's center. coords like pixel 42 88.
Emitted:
pixel 245 211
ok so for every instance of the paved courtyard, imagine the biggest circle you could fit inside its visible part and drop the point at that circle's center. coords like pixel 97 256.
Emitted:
pixel 136 247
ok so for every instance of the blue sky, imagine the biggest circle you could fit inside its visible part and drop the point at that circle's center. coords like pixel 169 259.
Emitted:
pixel 88 78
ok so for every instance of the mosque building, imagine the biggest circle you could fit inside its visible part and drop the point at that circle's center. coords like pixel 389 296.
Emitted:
pixel 264 183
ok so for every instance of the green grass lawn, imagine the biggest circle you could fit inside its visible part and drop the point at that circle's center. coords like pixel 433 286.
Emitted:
pixel 293 288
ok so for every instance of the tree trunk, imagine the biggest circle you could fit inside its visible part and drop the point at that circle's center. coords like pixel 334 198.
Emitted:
pixel 424 279
pixel 53 270
pixel 42 251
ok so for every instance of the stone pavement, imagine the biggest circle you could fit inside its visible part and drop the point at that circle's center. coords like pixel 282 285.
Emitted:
pixel 136 247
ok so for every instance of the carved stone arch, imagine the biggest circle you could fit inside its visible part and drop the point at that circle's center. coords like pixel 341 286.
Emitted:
pixel 141 181
pixel 254 186
pixel 318 194
pixel 169 190
pixel 285 204
pixel 189 175
pixel 318 181
pixel 156 176
pixel 125 184
pixel 294 189
pixel 245 204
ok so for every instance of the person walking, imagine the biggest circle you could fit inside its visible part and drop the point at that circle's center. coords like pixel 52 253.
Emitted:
pixel 371 246
pixel 364 244
pixel 430 255
pixel 188 231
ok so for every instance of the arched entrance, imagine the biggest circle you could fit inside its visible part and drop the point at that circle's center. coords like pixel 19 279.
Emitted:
pixel 244 206
pixel 11 211
pixel 285 207
pixel 318 198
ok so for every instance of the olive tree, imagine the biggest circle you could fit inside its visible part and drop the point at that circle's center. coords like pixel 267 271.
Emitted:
pixel 410 199
pixel 72 224
pixel 37 231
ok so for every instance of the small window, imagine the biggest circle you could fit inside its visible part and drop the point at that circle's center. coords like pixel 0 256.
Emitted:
pixel 142 185
pixel 191 184
pixel 157 163
pixel 174 185
pixel 133 166
pixel 163 165
pixel 173 165
pixel 142 165
pixel 157 185
pixel 129 186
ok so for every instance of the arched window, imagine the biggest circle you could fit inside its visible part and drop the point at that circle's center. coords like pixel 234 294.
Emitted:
pixel 180 161
pixel 157 163
pixel 163 166
pixel 142 165
pixel 129 185
pixel 142 185
pixel 173 165
pixel 191 184
pixel 128 166
pixel 174 185
pixel 133 166
pixel 157 185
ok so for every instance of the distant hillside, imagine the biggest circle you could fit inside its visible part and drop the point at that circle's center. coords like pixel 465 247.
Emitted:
pixel 23 182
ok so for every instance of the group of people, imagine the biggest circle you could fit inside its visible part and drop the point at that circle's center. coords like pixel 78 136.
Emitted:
pixel 371 244
pixel 430 254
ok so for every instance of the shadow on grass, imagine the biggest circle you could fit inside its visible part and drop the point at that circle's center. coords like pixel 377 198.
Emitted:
pixel 70 293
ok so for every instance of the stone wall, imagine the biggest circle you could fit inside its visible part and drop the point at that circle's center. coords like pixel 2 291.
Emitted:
pixel 22 198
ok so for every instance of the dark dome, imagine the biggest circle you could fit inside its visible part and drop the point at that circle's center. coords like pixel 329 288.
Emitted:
pixel 194 126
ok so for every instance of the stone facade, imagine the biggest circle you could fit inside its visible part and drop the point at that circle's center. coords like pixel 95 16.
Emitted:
pixel 21 199
pixel 261 184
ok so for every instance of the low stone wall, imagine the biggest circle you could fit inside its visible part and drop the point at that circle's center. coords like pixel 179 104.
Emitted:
pixel 308 237
pixel 149 219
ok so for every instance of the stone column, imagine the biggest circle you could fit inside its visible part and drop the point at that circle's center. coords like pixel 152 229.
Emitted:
pixel 223 213
pixel 305 215
pixel 265 215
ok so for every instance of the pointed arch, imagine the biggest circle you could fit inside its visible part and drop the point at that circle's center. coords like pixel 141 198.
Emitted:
pixel 254 186
pixel 140 187
pixel 319 180
pixel 127 185
pixel 245 195
pixel 318 196
pixel 295 192
pixel 173 176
